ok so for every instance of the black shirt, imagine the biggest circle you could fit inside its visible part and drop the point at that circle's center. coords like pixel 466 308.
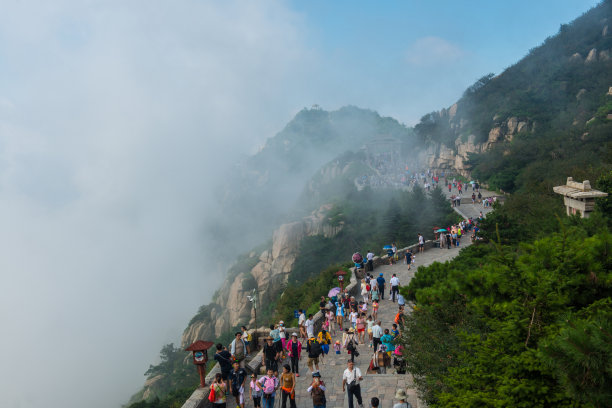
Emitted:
pixel 322 304
pixel 224 359
pixel 269 352
pixel 237 378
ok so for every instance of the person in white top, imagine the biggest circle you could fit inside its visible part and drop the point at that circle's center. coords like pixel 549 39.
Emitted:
pixel 350 383
pixel 377 333
pixel 309 324
pixel 421 243
pixel 370 258
pixel 301 321
pixel 394 281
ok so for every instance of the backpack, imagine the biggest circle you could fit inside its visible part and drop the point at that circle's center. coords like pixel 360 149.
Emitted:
pixel 350 346
pixel 269 385
pixel 368 287
pixel 249 337
pixel 315 349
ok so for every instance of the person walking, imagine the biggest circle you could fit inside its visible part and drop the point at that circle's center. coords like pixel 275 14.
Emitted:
pixel 317 391
pixel 301 321
pixel 395 284
pixel 351 379
pixel 270 355
pixel 339 313
pixel 387 341
pixel 324 339
pixel 360 326
pixel 309 324
pixel 350 343
pixel 219 388
pixel 314 351
pixel 238 349
pixel 377 333
pixel 381 285
pixel 370 324
pixel 224 358
pixel 401 396
pixel 421 243
pixel 237 380
pixel 287 386
pixel 294 351
pixel 269 383
pixel 255 391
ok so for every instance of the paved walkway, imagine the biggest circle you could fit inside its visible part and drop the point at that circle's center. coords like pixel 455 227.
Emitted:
pixel 374 385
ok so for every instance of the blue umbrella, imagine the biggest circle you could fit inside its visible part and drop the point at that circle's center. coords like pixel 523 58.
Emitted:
pixel 441 230
pixel 387 247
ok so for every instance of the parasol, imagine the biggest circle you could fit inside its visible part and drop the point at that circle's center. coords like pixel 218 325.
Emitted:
pixel 333 292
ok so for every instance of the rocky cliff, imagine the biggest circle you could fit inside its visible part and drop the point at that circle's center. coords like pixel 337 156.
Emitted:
pixel 269 276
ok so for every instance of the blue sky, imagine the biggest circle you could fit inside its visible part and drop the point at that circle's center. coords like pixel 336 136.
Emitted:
pixel 406 58
pixel 119 119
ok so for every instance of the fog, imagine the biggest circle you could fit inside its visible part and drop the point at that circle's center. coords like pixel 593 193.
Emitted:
pixel 117 122
pixel 120 122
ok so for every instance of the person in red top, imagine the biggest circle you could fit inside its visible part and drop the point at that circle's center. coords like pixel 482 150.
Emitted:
pixel 294 351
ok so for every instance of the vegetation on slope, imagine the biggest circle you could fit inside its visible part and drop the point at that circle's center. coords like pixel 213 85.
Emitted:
pixel 521 320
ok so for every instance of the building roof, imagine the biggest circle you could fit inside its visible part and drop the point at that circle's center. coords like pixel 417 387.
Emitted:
pixel 200 345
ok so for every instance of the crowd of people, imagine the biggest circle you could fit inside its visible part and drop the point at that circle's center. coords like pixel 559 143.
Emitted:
pixel 352 319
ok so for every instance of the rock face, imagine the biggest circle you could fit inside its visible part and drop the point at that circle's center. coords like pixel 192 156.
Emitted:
pixel 439 156
pixel 270 273
pixel 592 57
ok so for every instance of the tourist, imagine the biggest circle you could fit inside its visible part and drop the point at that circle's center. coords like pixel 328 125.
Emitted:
pixel 369 325
pixel 314 351
pixel 275 334
pixel 287 386
pixel 408 257
pixel 346 303
pixel 364 290
pixel 269 383
pixel 349 342
pixel 255 391
pixel 401 396
pixel 322 305
pixel 337 347
pixel 339 314
pixel 317 391
pixel 360 326
pixel 247 338
pixel 237 380
pixel 387 341
pixel 375 308
pixel 350 383
pixel 394 249
pixel 294 351
pixel 374 402
pixel 219 388
pixel 238 349
pixel 399 317
pixel 381 285
pixel 449 240
pixel 370 259
pixel 373 289
pixel 224 358
pixel 301 321
pixel 353 318
pixel 282 333
pixel 390 254
pixel 270 355
pixel 380 360
pixel 325 340
pixel 421 243
pixel 309 324
pixel 395 284
pixel 395 331
pixel 377 333
pixel 400 300
pixel 329 318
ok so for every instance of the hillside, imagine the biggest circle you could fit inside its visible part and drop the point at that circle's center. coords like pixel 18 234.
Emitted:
pixel 540 119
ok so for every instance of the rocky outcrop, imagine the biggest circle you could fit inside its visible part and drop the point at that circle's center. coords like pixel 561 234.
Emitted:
pixel 442 157
pixel 592 57
pixel 270 274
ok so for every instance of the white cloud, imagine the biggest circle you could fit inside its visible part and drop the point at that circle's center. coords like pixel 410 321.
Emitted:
pixel 430 51
pixel 117 121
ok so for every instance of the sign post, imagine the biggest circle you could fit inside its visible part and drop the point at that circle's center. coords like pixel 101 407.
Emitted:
pixel 200 357
pixel 340 275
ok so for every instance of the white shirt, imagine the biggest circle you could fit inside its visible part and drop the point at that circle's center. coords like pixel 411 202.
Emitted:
pixel 421 240
pixel 353 316
pixel 377 331
pixel 370 256
pixel 309 327
pixel 301 319
pixel 394 281
pixel 349 375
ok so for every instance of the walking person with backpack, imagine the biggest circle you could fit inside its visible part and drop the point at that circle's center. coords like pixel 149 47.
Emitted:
pixel 317 391
pixel 270 384
pixel 255 391
pixel 350 384
pixel 350 344
pixel 217 392
pixel 381 285
pixel 313 348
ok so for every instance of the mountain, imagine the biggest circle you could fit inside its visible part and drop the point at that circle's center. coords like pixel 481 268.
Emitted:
pixel 545 116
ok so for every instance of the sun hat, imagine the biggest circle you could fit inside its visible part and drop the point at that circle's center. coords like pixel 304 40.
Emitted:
pixel 351 330
pixel 294 334
pixel 400 394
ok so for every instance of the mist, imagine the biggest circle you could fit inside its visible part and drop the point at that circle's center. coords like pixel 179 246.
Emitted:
pixel 118 122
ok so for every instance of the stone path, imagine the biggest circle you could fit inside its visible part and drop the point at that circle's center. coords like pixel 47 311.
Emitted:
pixel 374 385
pixel 467 209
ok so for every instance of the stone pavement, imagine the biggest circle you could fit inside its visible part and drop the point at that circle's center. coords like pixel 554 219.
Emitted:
pixel 374 385
pixel 467 209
